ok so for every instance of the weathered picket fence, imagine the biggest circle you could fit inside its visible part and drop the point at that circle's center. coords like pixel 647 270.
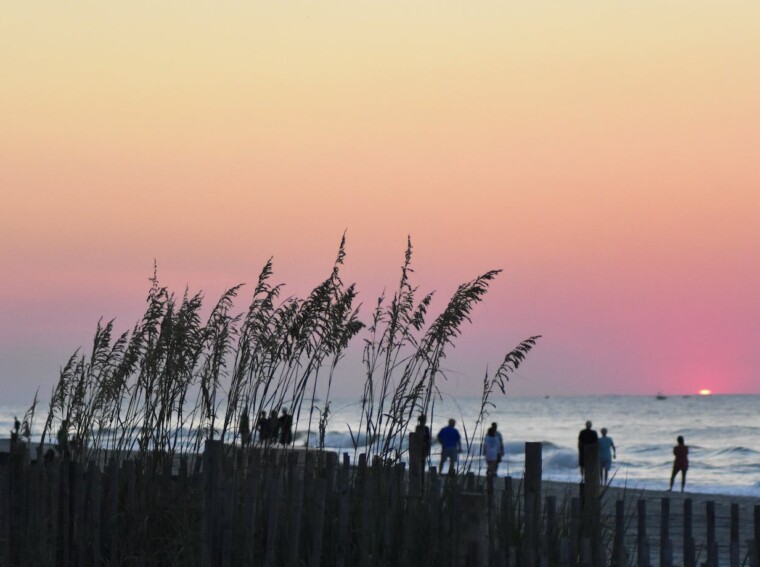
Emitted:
pixel 260 506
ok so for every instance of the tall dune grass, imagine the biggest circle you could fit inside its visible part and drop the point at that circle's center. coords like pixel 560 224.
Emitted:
pixel 177 379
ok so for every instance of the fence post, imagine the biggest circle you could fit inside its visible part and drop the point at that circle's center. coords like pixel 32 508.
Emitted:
pixel 17 506
pixel 323 484
pixel 641 535
pixel 416 462
pixel 342 485
pixel 129 471
pixel 93 512
pixel 433 506
pixel 689 547
pixel 365 504
pixel 272 506
pixel 251 480
pixel 550 546
pixel 506 520
pixel 591 504
pixel 492 506
pixel 532 500
pixel 666 549
pixel 575 528
pixel 77 507
pixel 52 497
pixel 471 531
pixel 398 495
pixel 4 515
pixel 212 467
pixel 619 558
pixel 733 551
pixel 227 520
pixel 295 511
pixel 712 546
pixel 112 511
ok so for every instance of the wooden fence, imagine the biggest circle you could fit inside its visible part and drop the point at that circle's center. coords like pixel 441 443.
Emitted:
pixel 259 506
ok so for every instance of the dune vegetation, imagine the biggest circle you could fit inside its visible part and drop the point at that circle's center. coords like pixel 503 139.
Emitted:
pixel 178 378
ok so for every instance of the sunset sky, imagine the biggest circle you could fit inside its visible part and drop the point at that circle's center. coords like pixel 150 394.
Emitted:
pixel 604 154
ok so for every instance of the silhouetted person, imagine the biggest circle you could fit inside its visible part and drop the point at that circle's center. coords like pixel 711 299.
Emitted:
pixel 680 463
pixel 16 444
pixel 49 456
pixel 493 447
pixel 286 425
pixel 451 445
pixel 274 427
pixel 586 437
pixel 262 427
pixel 422 431
pixel 63 439
pixel 244 427
pixel 607 452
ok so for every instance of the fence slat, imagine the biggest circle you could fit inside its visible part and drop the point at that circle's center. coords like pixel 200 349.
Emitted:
pixel 666 550
pixel 689 546
pixel 93 514
pixel 618 550
pixel 712 549
pixel 532 500
pixel 641 534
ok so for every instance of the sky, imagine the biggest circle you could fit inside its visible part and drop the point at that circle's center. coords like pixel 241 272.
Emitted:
pixel 604 155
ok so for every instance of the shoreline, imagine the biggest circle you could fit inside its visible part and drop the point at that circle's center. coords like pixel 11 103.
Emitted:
pixel 557 487
pixel 716 492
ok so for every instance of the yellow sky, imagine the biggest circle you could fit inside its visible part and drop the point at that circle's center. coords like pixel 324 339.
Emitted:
pixel 599 146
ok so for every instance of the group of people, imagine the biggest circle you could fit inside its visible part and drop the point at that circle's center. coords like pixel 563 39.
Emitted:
pixel 451 445
pixel 607 452
pixel 274 429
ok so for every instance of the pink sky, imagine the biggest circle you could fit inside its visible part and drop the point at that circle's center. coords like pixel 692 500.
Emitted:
pixel 605 156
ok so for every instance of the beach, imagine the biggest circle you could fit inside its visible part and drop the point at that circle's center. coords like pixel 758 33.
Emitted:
pixel 654 498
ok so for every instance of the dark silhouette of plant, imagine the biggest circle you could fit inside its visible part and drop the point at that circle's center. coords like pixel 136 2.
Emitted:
pixel 176 380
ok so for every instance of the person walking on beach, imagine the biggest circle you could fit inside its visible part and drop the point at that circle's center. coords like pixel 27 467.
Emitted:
pixel 451 445
pixel 680 464
pixel 586 437
pixel 422 433
pixel 493 447
pixel 286 426
pixel 262 426
pixel 273 433
pixel 244 427
pixel 607 452
pixel 63 439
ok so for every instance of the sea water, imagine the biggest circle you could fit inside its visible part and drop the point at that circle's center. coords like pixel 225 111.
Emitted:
pixel 722 432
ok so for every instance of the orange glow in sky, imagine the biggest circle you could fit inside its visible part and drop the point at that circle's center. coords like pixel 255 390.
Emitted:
pixel 705 392
pixel 603 154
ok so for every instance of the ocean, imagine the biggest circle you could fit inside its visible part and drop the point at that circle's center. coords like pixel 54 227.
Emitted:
pixel 722 432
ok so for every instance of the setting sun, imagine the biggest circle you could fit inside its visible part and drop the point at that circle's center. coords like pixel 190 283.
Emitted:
pixel 705 392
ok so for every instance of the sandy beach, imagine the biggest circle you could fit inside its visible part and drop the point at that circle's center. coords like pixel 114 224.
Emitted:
pixel 653 500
